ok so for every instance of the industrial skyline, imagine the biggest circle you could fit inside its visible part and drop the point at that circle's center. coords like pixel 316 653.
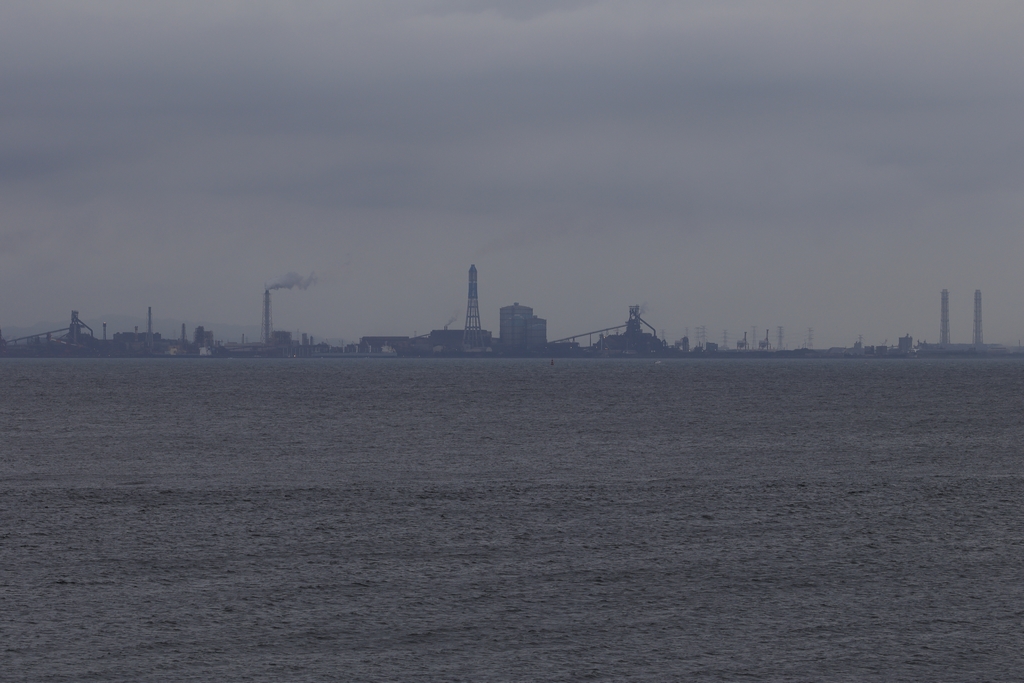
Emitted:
pixel 235 326
pixel 811 165
pixel 520 332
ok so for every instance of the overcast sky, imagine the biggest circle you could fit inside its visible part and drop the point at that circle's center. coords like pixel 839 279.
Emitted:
pixel 729 163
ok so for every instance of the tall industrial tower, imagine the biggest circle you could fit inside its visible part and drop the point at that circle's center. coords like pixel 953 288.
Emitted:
pixel 978 341
pixel 267 331
pixel 149 329
pixel 473 338
pixel 944 328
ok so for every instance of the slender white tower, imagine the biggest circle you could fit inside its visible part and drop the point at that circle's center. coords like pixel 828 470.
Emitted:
pixel 978 339
pixel 944 326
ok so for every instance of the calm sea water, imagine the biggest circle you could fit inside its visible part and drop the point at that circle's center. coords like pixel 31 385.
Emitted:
pixel 511 520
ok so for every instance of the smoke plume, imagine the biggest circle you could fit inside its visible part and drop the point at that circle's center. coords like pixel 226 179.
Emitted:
pixel 292 280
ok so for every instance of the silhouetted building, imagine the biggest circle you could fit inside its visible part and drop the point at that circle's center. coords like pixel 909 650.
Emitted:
pixel 132 337
pixel 520 329
pixel 454 340
pixel 378 344
pixel 634 339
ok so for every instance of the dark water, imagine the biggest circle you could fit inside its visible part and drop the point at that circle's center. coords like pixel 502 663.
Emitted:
pixel 511 521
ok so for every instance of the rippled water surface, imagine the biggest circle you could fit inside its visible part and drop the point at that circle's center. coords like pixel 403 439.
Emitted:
pixel 511 520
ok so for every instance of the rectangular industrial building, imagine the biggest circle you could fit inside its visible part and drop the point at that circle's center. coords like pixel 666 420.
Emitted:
pixel 520 329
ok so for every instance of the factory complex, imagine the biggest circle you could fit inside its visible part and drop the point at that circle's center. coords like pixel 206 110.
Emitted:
pixel 521 333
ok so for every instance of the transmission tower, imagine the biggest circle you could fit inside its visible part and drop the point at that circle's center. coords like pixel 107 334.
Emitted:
pixel 725 339
pixel 472 338
pixel 267 333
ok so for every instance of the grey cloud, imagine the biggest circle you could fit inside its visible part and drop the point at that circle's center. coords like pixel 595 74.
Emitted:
pixel 521 10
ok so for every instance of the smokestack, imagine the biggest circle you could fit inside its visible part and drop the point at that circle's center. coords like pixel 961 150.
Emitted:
pixel 149 329
pixel 104 332
pixel 978 340
pixel 944 326
pixel 267 333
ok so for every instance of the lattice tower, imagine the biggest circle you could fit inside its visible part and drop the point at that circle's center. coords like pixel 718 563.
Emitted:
pixel 473 338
